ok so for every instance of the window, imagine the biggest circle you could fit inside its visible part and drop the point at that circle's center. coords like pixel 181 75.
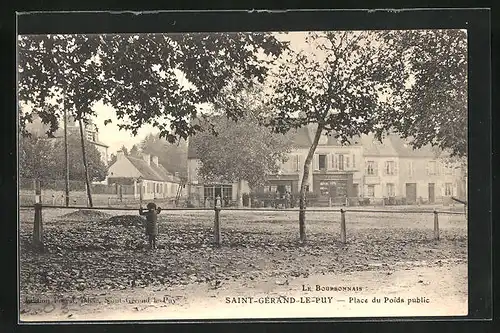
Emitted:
pixel 227 192
pixel 307 188
pixel 341 162
pixel 410 168
pixel 391 190
pixel 448 189
pixel 322 162
pixel 347 164
pixel 354 161
pixel 371 190
pixel 432 168
pixel 370 168
pixel 208 192
pixel 390 168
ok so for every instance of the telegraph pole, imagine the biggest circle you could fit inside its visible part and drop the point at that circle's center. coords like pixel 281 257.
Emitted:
pixel 89 195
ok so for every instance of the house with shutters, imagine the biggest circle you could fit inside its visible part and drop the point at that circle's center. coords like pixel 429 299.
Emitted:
pixel 143 176
pixel 365 168
pixel 392 169
pixel 336 170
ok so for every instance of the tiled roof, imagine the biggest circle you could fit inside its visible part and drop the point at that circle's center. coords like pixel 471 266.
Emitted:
pixel 146 171
pixel 152 171
pixel 404 149
pixel 391 145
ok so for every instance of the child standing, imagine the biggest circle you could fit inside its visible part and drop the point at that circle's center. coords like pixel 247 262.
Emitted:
pixel 151 223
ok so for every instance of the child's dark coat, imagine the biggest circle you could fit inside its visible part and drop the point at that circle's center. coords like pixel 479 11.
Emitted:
pixel 151 221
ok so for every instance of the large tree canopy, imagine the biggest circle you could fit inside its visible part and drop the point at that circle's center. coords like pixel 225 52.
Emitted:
pixel 241 150
pixel 157 79
pixel 349 83
pixel 341 83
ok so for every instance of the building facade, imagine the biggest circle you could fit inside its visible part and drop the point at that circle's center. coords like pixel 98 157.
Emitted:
pixel 144 177
pixel 365 169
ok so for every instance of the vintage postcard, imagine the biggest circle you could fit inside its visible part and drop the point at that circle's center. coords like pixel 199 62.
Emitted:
pixel 245 175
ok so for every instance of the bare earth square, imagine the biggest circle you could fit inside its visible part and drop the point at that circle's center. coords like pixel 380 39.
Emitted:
pixel 95 270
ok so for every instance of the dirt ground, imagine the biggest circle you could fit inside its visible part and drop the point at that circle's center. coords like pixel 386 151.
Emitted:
pixel 95 271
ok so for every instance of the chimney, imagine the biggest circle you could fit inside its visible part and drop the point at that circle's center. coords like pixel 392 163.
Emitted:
pixel 147 158
pixel 154 159
pixel 120 155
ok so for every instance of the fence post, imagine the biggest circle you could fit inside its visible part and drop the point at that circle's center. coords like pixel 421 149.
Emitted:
pixel 109 201
pixel 37 225
pixel 330 202
pixel 436 225
pixel 53 199
pixel 217 235
pixel 342 226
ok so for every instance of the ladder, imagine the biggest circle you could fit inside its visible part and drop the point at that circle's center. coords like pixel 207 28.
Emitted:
pixel 179 192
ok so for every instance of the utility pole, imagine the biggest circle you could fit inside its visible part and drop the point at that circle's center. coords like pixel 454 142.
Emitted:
pixel 89 195
pixel 66 159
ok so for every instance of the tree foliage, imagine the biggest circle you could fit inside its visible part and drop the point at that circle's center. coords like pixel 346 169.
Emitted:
pixel 43 158
pixel 336 85
pixel 434 109
pixel 157 79
pixel 243 150
pixel 349 83
pixel 172 156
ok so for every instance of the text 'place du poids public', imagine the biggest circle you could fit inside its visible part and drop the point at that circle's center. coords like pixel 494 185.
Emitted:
pixel 385 299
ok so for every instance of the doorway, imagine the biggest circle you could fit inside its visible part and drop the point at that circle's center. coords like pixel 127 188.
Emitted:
pixel 411 193
pixel 431 193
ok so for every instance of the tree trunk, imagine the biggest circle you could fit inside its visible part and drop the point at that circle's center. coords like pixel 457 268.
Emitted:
pixel 304 183
pixel 66 159
pixel 239 195
pixel 89 195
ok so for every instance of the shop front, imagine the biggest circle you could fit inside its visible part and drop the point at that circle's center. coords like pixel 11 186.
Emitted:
pixel 336 186
pixel 282 184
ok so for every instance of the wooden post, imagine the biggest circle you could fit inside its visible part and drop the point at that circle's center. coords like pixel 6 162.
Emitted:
pixel 37 226
pixel 436 226
pixel 342 226
pixel 217 235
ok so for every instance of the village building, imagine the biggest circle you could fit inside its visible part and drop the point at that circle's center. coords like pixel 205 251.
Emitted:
pixel 393 170
pixel 142 176
pixel 91 133
pixel 365 170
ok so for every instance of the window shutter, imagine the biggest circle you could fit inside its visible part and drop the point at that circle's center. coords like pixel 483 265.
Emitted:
pixel 427 167
pixel 386 165
pixel 353 161
pixel 335 161
pixel 366 168
pixel 328 162
pixel 299 162
pixel 347 164
pixel 439 168
pixel 395 167
pixel 375 168
pixel 316 162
